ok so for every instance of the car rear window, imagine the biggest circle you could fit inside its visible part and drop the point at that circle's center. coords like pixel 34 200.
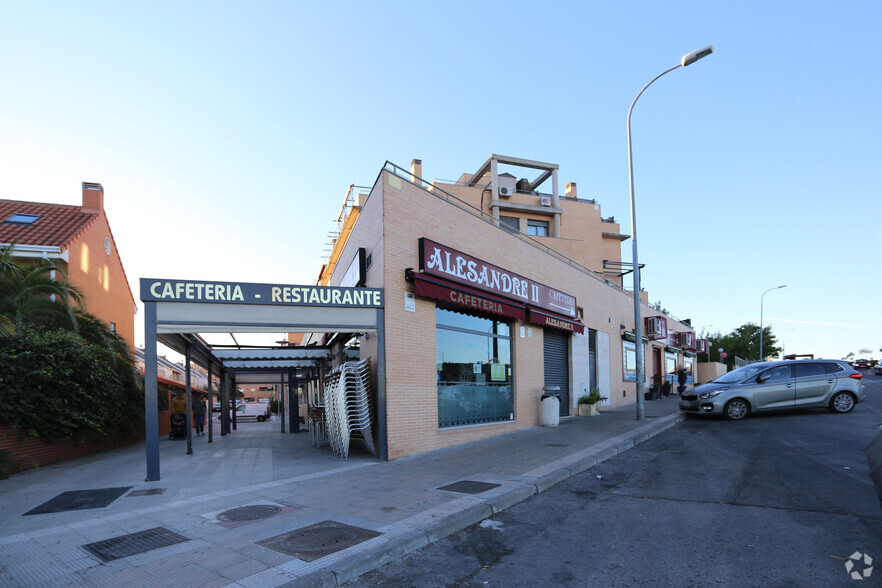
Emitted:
pixel 810 369
pixel 832 368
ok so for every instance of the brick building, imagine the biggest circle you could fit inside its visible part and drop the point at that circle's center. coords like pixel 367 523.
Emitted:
pixel 494 290
pixel 79 240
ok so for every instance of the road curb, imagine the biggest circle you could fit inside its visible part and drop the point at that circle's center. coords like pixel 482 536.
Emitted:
pixel 511 497
pixel 457 521
pixel 360 563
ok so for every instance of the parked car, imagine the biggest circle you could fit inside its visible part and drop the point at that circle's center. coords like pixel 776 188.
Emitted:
pixel 247 411
pixel 216 407
pixel 878 368
pixel 778 385
pixel 861 363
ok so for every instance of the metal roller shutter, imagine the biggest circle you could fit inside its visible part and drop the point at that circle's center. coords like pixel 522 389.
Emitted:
pixel 557 365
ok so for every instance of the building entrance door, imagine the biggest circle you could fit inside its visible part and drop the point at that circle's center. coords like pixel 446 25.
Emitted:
pixel 557 365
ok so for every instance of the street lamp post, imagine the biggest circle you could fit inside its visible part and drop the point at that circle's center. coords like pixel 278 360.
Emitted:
pixel 761 316
pixel 687 59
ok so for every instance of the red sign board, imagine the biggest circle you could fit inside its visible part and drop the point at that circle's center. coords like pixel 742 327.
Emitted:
pixel 450 264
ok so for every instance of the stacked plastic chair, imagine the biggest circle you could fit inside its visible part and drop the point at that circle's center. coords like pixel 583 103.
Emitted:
pixel 315 416
pixel 347 407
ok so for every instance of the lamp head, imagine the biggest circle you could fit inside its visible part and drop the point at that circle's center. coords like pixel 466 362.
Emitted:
pixel 691 58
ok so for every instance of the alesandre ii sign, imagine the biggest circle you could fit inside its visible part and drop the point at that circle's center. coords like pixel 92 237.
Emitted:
pixel 455 266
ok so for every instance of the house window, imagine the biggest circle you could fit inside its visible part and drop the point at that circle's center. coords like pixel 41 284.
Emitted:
pixel 474 369
pixel 537 228
pixel 510 222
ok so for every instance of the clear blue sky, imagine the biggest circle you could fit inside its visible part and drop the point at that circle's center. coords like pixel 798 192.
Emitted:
pixel 225 134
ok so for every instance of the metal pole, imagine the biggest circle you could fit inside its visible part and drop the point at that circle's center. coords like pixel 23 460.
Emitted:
pixel 761 317
pixel 638 326
pixel 687 59
pixel 209 410
pixel 189 388
pixel 224 402
pixel 282 399
pixel 151 409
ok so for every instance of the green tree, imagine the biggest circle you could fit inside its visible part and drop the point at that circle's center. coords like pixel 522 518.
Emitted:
pixel 31 294
pixel 743 342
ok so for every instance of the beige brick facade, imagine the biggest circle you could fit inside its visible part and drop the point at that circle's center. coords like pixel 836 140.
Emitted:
pixel 389 225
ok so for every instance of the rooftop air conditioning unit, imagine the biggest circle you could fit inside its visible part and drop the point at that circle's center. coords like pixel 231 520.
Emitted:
pixel 506 185
pixel 545 201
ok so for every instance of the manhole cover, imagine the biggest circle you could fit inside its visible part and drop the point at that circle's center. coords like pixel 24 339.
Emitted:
pixel 254 512
pixel 318 540
pixel 148 492
pixel 80 500
pixel 469 487
pixel 133 544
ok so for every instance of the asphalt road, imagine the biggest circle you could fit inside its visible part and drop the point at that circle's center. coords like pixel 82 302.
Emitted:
pixel 775 500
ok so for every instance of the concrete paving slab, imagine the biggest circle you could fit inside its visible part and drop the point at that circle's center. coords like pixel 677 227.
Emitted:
pixel 259 465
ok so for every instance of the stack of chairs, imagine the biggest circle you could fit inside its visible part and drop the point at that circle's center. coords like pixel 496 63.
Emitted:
pixel 347 407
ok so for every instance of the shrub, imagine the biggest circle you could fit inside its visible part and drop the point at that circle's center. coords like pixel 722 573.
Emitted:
pixel 55 386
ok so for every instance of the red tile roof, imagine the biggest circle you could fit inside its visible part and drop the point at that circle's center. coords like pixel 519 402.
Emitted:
pixel 57 226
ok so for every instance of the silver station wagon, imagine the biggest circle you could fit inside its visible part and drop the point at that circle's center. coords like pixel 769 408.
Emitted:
pixel 778 385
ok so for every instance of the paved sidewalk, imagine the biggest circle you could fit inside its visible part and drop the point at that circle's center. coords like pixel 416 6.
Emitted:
pixel 395 507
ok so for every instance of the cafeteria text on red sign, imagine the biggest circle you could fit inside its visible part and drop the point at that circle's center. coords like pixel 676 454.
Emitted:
pixel 450 264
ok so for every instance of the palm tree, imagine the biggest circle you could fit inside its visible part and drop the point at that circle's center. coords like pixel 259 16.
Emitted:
pixel 30 294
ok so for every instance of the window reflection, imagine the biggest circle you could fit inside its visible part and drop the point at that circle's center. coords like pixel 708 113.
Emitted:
pixel 474 370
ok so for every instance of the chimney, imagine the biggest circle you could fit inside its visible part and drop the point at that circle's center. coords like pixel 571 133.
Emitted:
pixel 570 190
pixel 93 197
pixel 416 170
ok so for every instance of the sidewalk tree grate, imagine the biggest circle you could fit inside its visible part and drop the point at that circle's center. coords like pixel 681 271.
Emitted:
pixel 80 500
pixel 133 544
pixel 318 540
pixel 469 487
pixel 254 512
pixel 147 492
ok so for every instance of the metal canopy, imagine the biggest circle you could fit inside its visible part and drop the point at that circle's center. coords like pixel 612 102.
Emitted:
pixel 175 311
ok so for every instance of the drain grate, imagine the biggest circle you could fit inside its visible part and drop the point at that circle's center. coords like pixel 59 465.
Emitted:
pixel 469 487
pixel 318 540
pixel 80 500
pixel 254 512
pixel 133 544
pixel 556 445
pixel 147 492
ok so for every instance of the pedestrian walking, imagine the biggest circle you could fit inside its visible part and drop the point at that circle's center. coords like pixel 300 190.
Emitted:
pixel 681 380
pixel 198 409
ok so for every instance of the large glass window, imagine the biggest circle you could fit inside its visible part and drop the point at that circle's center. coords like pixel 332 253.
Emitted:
pixel 629 354
pixel 474 370
pixel 689 366
pixel 671 367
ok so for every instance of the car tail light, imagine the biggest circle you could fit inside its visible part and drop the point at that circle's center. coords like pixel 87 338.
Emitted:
pixel 856 376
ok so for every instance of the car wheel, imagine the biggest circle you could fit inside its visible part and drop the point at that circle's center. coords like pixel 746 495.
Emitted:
pixel 842 402
pixel 260 419
pixel 736 409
